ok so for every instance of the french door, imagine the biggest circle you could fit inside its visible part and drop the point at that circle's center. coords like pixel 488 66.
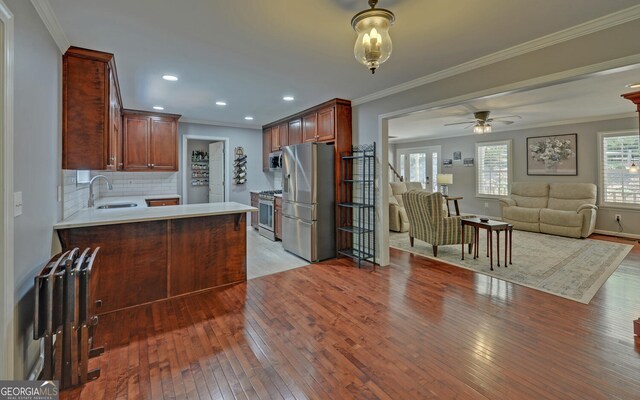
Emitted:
pixel 420 165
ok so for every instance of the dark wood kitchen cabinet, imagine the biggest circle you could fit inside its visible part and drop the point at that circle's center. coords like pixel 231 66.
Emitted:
pixel 266 148
pixel 150 141
pixel 295 131
pixel 275 138
pixel 173 201
pixel 283 129
pixel 310 127
pixel 91 111
pixel 277 217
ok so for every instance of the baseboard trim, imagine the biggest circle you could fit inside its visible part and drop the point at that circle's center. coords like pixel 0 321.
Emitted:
pixel 617 234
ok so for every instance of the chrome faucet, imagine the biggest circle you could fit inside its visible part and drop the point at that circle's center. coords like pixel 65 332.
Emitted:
pixel 109 186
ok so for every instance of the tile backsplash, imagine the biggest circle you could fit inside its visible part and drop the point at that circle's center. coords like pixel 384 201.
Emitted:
pixel 75 196
pixel 138 183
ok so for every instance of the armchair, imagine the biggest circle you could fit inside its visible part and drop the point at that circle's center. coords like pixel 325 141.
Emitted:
pixel 429 222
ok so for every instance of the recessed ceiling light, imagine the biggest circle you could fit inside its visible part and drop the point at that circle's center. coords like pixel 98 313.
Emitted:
pixel 633 85
pixel 171 78
pixel 248 118
pixel 158 108
pixel 288 98
pixel 221 103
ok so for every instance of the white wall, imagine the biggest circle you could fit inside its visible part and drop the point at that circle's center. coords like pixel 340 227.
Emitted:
pixel 37 116
pixel 464 178
pixel 518 72
pixel 251 140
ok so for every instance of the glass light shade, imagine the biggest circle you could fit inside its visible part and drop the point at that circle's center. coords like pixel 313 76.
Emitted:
pixel 633 168
pixel 445 179
pixel 373 45
pixel 481 128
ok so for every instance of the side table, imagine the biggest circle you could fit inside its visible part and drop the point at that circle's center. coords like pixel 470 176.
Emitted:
pixel 490 226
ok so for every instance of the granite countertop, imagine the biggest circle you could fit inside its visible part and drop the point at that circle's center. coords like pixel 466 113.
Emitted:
pixel 142 213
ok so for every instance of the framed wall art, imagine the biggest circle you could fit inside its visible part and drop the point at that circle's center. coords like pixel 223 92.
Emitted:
pixel 555 155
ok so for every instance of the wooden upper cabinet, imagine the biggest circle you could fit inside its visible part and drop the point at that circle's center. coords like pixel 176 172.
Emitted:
pixel 326 124
pixel 275 138
pixel 137 132
pixel 266 148
pixel 284 135
pixel 150 141
pixel 295 131
pixel 164 144
pixel 91 104
pixel 310 127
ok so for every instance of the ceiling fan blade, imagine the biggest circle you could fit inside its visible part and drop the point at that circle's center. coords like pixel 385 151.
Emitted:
pixel 503 122
pixel 461 123
pixel 507 116
pixel 470 125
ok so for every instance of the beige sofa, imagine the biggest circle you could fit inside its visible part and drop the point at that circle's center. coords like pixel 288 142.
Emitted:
pixel 564 209
pixel 398 221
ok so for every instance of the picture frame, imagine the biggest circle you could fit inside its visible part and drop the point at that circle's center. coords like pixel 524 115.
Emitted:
pixel 447 163
pixel 552 155
pixel 457 156
pixel 468 162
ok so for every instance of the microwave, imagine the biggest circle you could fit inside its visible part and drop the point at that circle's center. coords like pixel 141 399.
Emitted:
pixel 275 161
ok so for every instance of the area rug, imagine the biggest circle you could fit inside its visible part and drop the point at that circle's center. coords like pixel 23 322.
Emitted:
pixel 571 268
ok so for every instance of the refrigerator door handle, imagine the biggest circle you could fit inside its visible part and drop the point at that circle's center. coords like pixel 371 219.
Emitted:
pixel 285 184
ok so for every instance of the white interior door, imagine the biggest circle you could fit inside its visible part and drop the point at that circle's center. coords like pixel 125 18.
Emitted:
pixel 216 172
pixel 420 165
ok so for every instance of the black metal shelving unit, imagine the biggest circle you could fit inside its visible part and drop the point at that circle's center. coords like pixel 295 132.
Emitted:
pixel 357 219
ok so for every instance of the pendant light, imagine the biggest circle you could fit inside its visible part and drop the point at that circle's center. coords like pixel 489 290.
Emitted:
pixel 373 45
pixel 635 98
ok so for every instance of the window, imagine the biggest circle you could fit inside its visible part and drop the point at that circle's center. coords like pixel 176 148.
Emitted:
pixel 493 171
pixel 618 186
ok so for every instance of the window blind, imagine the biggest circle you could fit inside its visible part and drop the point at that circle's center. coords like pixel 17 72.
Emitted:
pixel 493 169
pixel 619 186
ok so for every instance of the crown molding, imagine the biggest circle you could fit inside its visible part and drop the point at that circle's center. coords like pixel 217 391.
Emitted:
pixel 586 28
pixel 573 121
pixel 218 123
pixel 43 7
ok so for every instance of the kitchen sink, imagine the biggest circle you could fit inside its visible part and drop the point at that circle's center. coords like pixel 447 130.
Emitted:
pixel 117 205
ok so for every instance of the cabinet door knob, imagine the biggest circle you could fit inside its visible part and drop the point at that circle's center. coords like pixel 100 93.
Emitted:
pixel 153 165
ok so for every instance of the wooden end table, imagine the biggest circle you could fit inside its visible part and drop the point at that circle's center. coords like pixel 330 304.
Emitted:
pixel 490 226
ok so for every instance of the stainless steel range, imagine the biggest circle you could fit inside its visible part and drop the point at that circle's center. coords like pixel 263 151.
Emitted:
pixel 266 208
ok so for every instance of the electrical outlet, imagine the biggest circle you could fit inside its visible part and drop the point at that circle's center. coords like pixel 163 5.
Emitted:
pixel 618 218
pixel 17 204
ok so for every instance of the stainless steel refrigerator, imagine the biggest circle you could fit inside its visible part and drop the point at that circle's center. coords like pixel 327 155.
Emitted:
pixel 308 201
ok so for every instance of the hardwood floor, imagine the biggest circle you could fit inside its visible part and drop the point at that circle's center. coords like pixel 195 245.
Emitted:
pixel 418 329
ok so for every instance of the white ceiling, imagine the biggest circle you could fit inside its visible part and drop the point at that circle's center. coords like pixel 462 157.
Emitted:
pixel 250 53
pixel 590 98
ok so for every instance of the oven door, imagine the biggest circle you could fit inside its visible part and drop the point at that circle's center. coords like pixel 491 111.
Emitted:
pixel 266 214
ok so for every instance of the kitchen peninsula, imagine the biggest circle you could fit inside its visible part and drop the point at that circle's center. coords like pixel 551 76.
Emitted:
pixel 153 253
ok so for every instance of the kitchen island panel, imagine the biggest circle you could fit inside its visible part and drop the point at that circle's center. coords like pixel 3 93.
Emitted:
pixel 131 266
pixel 207 252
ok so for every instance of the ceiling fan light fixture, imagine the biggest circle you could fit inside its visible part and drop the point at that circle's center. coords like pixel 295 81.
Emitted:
pixel 481 128
pixel 373 45
pixel 633 168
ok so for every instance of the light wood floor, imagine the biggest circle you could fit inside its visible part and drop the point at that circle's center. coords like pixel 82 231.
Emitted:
pixel 418 329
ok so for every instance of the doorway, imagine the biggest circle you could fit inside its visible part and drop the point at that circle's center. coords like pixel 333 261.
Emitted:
pixel 6 195
pixel 420 165
pixel 204 175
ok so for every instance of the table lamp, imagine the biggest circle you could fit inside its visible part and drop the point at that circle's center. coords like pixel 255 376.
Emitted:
pixel 444 180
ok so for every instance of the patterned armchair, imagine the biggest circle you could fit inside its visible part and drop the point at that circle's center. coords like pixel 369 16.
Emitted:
pixel 429 222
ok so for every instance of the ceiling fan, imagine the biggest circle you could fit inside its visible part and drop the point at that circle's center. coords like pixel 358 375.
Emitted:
pixel 482 122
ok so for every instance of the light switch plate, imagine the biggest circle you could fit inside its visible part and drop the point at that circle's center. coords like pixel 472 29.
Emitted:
pixel 17 204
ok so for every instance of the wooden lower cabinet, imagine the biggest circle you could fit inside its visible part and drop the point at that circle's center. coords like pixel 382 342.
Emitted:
pixel 144 262
pixel 163 202
pixel 255 202
pixel 277 217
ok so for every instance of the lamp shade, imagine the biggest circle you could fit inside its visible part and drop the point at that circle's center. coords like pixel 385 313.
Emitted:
pixel 445 179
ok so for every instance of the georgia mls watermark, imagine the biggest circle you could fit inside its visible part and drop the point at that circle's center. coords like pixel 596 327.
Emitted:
pixel 29 390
